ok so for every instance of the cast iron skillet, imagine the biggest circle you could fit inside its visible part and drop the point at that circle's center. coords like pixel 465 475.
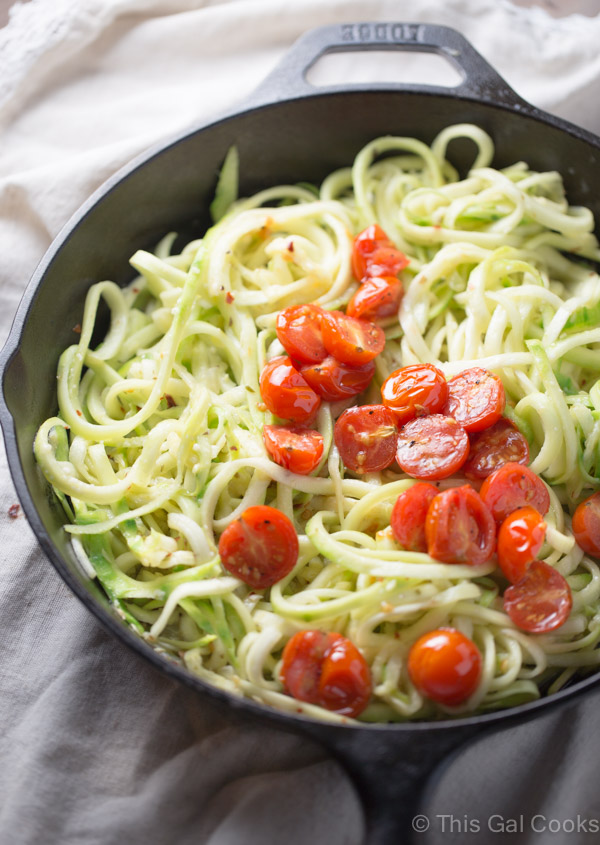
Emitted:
pixel 287 132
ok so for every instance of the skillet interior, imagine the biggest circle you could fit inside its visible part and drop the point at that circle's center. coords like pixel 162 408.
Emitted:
pixel 290 141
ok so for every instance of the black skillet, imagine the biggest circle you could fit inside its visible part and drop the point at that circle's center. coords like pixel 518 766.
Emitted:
pixel 289 131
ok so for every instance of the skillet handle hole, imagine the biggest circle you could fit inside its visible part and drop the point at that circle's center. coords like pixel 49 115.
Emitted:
pixel 377 66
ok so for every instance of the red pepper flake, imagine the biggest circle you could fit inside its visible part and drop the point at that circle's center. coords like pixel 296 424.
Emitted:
pixel 77 328
pixel 170 401
pixel 290 246
pixel 14 511
pixel 135 290
pixel 78 412
pixel 229 297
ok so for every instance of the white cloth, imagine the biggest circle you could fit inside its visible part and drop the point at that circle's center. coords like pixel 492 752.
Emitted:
pixel 95 746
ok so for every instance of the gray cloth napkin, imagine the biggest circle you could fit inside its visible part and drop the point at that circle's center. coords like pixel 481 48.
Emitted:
pixel 96 747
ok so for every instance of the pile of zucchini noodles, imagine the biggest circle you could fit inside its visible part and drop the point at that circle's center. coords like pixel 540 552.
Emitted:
pixel 158 445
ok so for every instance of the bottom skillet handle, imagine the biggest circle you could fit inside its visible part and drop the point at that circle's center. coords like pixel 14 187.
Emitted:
pixel 393 771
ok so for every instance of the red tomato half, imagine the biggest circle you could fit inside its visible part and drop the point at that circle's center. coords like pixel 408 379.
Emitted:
pixel 432 447
pixel 408 516
pixel 586 525
pixel 260 548
pixel 376 298
pixel 499 444
pixel 326 669
pixel 415 391
pixel 373 254
pixel 514 486
pixel 351 341
pixel 294 448
pixel 520 538
pixel 334 381
pixel 476 399
pixel 540 601
pixel 459 528
pixel 299 332
pixel 445 666
pixel 286 393
pixel 366 438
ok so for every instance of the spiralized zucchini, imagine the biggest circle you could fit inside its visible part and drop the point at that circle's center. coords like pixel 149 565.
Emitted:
pixel 158 442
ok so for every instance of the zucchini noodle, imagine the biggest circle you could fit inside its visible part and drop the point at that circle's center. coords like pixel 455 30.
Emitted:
pixel 158 444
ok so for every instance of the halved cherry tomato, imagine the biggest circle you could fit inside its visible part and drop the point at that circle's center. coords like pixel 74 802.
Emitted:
pixel 540 601
pixel 459 528
pixel 286 393
pixel 476 399
pixel 373 254
pixel 366 438
pixel 260 547
pixel 294 448
pixel 520 538
pixel 334 381
pixel 499 444
pixel 408 516
pixel 326 669
pixel 415 391
pixel 514 486
pixel 376 298
pixel 445 666
pixel 432 447
pixel 586 525
pixel 351 341
pixel 299 332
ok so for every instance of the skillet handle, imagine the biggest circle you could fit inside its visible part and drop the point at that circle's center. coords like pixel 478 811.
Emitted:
pixel 394 771
pixel 480 80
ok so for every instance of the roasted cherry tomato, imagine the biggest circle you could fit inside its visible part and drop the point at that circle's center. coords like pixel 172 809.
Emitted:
pixel 328 670
pixel 294 448
pixel 476 399
pixel 374 254
pixel 540 601
pixel 408 516
pixel 459 528
pixel 334 381
pixel 260 547
pixel 499 444
pixel 299 332
pixel 286 393
pixel 520 538
pixel 445 666
pixel 366 438
pixel 432 447
pixel 376 298
pixel 514 486
pixel 351 341
pixel 586 525
pixel 415 391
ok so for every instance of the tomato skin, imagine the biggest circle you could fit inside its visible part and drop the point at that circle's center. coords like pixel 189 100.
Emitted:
pixel 333 381
pixel 260 547
pixel 476 399
pixel 286 393
pixel 540 601
pixel 373 254
pixel 414 391
pixel 377 298
pixel 299 332
pixel 520 538
pixel 459 528
pixel 351 341
pixel 326 669
pixel 514 486
pixel 432 447
pixel 293 447
pixel 497 445
pixel 408 516
pixel 445 666
pixel 586 525
pixel 366 438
